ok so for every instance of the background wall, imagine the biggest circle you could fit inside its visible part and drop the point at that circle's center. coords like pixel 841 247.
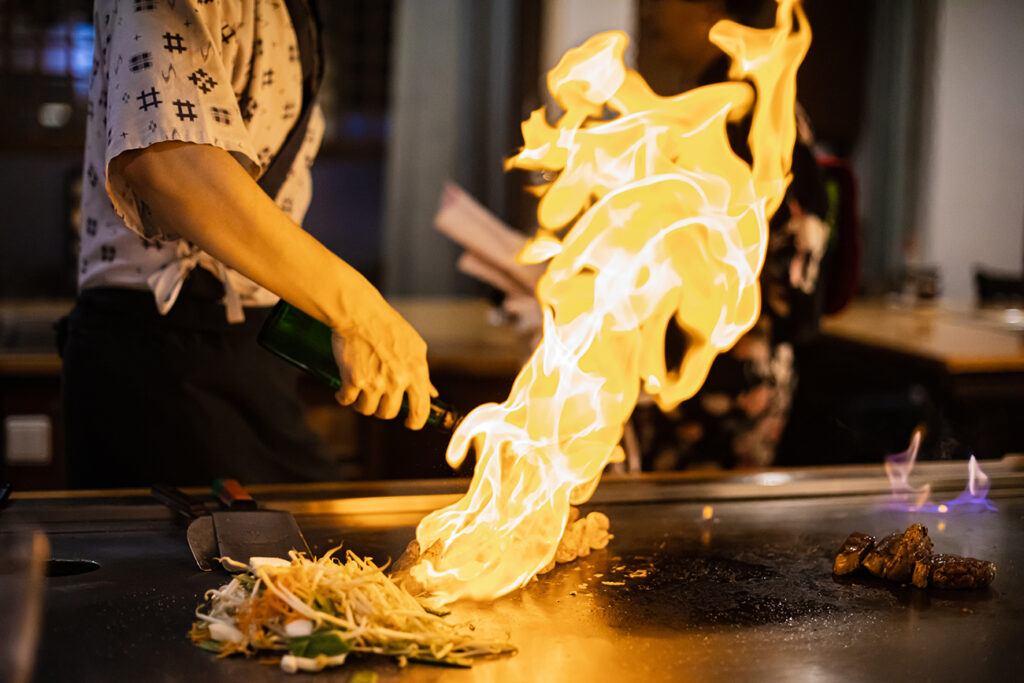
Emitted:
pixel 36 235
pixel 885 153
pixel 453 95
pixel 568 23
pixel 460 89
pixel 971 208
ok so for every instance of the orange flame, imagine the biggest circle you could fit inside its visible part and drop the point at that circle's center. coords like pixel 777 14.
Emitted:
pixel 670 224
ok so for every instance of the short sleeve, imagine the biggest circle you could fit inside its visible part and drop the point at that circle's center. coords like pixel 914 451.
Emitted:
pixel 169 76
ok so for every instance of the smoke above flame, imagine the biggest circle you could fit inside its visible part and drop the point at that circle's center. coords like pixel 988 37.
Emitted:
pixel 652 219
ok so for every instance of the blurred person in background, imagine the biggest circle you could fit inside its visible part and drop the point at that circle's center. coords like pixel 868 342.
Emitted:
pixel 192 107
pixel 738 416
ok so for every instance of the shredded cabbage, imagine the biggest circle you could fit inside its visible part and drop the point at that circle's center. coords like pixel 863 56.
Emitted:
pixel 320 610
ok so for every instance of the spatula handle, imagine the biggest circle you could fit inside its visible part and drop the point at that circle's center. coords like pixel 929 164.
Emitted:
pixel 233 495
pixel 178 500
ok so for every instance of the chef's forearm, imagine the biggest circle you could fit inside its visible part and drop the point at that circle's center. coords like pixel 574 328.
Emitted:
pixel 202 194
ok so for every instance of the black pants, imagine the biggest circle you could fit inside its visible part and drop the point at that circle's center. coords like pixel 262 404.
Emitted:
pixel 182 399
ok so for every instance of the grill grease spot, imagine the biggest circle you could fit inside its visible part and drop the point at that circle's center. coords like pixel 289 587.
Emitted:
pixel 691 587
pixel 60 567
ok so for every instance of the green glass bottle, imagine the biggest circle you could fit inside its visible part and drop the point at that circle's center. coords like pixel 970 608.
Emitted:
pixel 306 342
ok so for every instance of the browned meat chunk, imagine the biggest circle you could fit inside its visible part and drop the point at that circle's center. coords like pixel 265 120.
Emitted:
pixel 894 556
pixel 913 546
pixel 907 556
pixel 923 571
pixel 953 571
pixel 878 558
pixel 851 555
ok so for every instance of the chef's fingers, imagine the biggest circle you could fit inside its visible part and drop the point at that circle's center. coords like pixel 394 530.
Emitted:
pixel 421 378
pixel 389 406
pixel 367 402
pixel 348 393
pixel 419 406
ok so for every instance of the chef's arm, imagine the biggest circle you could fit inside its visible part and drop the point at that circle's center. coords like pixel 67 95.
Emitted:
pixel 203 194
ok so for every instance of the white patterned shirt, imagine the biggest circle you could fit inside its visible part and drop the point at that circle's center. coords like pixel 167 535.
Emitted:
pixel 218 72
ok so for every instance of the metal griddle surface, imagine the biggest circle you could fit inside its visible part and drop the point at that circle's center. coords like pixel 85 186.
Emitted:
pixel 747 595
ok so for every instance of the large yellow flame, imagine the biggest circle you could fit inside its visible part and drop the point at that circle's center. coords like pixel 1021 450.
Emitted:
pixel 667 223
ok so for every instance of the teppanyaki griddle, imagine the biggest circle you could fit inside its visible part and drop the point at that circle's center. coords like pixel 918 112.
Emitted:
pixel 745 595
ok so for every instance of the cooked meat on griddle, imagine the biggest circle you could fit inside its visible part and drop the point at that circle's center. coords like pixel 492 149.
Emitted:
pixel 914 545
pixel 953 571
pixel 907 556
pixel 894 556
pixel 878 558
pixel 851 555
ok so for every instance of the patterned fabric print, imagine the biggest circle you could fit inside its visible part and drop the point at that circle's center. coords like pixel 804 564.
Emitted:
pixel 735 420
pixel 195 71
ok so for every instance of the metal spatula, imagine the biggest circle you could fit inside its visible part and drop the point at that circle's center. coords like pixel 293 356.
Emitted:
pixel 239 532
pixel 243 530
pixel 256 533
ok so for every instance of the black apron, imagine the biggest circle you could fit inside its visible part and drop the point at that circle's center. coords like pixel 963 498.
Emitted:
pixel 186 397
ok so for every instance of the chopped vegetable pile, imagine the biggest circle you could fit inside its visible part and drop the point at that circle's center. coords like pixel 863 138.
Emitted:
pixel 317 611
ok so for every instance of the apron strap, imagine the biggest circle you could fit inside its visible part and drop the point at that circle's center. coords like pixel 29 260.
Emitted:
pixel 307 31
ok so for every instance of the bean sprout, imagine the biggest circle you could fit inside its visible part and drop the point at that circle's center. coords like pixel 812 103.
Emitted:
pixel 353 606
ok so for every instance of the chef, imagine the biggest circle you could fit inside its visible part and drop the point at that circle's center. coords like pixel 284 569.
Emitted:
pixel 201 132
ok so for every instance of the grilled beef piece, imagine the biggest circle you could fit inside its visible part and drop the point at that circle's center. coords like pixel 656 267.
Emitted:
pixel 878 558
pixel 907 556
pixel 912 547
pixel 923 571
pixel 953 571
pixel 851 555
pixel 894 556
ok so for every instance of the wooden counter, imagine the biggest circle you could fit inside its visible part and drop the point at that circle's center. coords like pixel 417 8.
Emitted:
pixel 462 337
pixel 27 339
pixel 880 369
pixel 963 341
pixel 19 364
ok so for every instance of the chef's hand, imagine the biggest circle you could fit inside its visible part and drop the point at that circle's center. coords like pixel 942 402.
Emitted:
pixel 381 358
